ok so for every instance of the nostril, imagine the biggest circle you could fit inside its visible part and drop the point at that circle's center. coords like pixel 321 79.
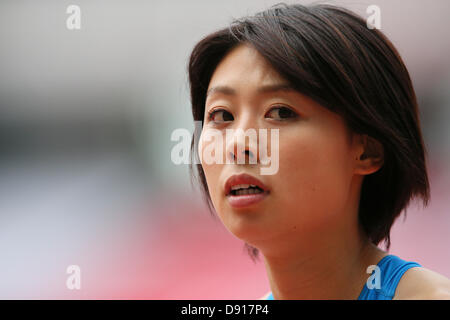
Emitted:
pixel 245 153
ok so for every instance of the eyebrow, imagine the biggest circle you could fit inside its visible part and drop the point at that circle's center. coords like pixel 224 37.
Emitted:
pixel 263 89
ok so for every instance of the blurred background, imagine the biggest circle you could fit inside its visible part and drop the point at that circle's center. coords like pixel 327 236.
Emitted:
pixel 85 171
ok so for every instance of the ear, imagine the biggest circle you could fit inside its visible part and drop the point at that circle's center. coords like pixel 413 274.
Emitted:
pixel 369 156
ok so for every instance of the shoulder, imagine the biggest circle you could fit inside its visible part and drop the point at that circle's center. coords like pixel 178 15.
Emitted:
pixel 419 283
pixel 264 297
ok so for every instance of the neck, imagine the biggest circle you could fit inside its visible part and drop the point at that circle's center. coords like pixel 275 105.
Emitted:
pixel 325 267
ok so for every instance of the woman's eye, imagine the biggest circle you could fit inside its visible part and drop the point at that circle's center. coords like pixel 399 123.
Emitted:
pixel 281 113
pixel 220 115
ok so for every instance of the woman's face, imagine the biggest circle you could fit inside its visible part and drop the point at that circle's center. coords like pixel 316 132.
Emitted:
pixel 310 192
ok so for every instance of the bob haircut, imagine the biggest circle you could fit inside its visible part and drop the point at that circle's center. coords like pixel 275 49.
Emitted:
pixel 330 55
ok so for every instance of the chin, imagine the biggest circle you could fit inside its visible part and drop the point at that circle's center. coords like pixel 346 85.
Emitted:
pixel 245 224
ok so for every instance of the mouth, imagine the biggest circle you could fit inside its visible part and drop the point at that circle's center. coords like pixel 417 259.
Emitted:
pixel 243 190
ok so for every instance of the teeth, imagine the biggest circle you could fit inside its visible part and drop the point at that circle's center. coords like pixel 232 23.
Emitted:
pixel 247 191
pixel 241 186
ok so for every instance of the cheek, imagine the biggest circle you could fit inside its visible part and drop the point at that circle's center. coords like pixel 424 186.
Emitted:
pixel 313 176
pixel 211 170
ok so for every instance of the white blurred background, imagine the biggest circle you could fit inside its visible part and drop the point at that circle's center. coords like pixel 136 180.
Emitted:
pixel 85 172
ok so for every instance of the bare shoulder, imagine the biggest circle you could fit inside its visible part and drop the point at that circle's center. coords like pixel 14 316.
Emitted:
pixel 420 283
pixel 264 297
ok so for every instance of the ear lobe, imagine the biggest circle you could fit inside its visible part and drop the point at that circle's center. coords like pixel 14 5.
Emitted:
pixel 372 157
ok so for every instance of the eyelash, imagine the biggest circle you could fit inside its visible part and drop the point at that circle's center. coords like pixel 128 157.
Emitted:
pixel 214 111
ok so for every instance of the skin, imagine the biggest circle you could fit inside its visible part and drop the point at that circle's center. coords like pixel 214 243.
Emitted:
pixel 307 228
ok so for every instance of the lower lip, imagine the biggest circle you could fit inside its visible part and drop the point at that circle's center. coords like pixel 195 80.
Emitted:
pixel 246 200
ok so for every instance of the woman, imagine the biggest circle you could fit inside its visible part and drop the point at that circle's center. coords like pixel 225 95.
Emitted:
pixel 350 151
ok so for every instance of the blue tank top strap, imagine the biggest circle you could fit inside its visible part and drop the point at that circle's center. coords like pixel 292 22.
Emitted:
pixel 391 270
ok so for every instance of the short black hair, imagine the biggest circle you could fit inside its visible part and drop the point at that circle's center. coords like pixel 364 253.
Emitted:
pixel 330 55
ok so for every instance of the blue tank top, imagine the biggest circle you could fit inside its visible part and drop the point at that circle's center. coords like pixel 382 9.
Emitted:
pixel 391 269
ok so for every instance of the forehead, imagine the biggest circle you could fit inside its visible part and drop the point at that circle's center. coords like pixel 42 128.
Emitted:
pixel 244 65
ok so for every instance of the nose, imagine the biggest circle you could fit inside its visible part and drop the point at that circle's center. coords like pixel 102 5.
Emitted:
pixel 238 150
pixel 247 156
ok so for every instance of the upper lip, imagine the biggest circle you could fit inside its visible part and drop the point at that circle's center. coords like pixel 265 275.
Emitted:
pixel 243 178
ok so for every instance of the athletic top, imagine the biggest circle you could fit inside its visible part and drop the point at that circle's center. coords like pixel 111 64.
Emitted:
pixel 391 269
